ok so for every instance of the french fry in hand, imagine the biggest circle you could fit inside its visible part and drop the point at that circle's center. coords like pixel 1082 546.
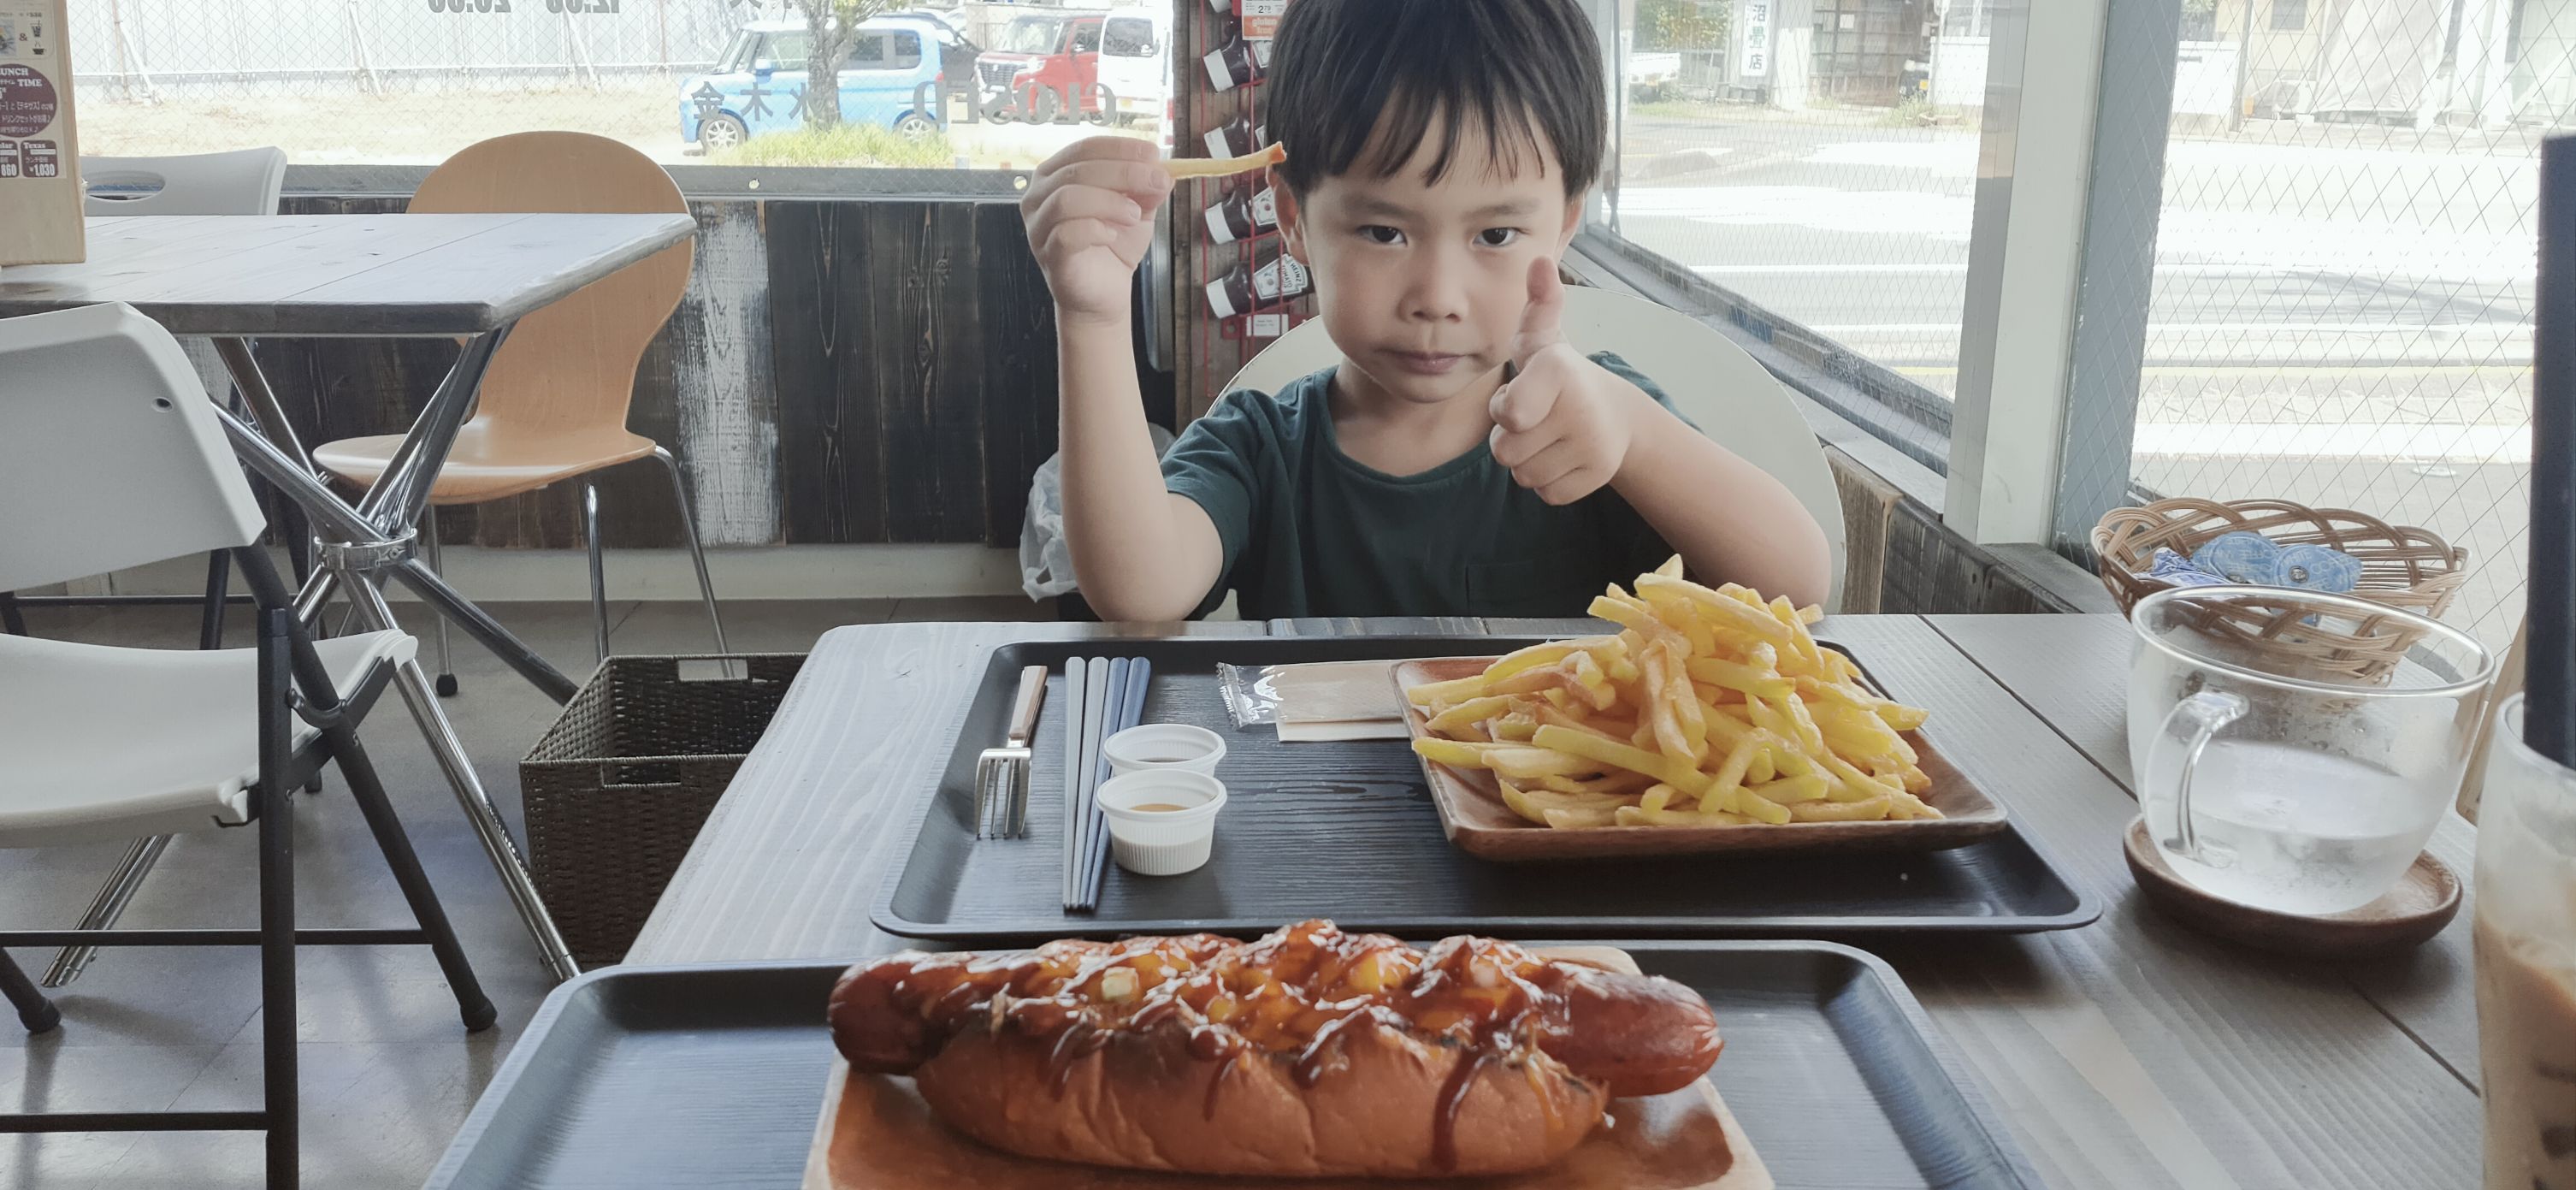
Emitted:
pixel 1707 707
pixel 1183 168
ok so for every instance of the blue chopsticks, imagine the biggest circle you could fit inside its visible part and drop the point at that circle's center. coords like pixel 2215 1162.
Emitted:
pixel 1121 683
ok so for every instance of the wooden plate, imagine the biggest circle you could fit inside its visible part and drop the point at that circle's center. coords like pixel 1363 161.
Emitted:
pixel 2424 901
pixel 876 1133
pixel 1478 823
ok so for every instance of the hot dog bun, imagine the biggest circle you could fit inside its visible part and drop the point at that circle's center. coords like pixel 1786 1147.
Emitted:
pixel 1309 1052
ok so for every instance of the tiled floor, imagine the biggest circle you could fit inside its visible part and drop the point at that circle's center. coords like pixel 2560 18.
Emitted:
pixel 387 1072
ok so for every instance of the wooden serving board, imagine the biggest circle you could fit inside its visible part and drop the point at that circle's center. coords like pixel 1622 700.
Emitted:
pixel 876 1133
pixel 1477 822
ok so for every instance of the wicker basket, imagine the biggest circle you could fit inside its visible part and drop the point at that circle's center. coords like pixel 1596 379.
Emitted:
pixel 2401 567
pixel 616 790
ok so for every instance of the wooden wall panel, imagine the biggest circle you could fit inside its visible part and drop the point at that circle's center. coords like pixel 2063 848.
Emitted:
pixel 926 361
pixel 830 462
pixel 839 371
pixel 720 354
pixel 1018 395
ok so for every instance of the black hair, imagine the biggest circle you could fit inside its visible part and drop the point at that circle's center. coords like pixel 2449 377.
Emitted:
pixel 1359 84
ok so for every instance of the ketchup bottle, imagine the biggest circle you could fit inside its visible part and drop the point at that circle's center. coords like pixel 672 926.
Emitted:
pixel 1236 137
pixel 1237 62
pixel 1242 213
pixel 1245 288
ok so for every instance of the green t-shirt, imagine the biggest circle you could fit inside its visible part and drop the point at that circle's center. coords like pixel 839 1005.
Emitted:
pixel 1309 531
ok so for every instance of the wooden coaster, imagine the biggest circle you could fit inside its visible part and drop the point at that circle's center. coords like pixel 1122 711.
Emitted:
pixel 2424 901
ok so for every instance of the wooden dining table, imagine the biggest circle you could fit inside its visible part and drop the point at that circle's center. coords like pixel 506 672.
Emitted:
pixel 2129 1053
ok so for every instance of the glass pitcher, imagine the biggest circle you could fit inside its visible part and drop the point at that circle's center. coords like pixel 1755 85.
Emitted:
pixel 2525 938
pixel 2294 749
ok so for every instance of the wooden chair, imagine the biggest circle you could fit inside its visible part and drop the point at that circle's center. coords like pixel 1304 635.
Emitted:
pixel 1720 387
pixel 553 406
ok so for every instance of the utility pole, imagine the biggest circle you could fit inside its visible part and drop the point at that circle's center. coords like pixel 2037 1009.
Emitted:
pixel 2244 64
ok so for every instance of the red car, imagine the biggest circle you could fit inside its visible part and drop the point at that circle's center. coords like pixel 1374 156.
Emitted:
pixel 1053 60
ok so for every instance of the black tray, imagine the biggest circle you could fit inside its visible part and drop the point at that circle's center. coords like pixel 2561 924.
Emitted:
pixel 706 1077
pixel 1347 831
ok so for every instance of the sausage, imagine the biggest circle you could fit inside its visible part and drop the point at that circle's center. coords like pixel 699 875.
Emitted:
pixel 875 1033
pixel 1638 1035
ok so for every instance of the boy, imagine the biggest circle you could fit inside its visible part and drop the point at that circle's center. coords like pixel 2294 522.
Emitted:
pixel 1463 459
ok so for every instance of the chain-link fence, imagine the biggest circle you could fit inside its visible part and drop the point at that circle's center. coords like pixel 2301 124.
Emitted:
pixel 412 81
pixel 2341 313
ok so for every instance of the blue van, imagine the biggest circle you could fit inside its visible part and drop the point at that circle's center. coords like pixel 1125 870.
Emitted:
pixel 758 86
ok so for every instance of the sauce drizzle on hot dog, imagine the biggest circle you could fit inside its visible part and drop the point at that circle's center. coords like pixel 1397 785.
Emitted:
pixel 1293 995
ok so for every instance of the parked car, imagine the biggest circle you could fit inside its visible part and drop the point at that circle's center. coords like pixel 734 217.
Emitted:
pixel 758 86
pixel 1050 61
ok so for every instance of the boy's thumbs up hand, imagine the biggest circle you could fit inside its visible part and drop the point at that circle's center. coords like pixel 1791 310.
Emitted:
pixel 1562 424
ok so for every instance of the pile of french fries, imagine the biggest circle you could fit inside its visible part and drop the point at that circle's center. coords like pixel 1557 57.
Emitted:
pixel 1708 708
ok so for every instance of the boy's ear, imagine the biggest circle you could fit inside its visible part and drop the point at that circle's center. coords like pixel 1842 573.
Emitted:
pixel 1573 222
pixel 1292 222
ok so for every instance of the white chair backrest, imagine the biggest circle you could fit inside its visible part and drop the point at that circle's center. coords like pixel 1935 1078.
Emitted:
pixel 245 182
pixel 1719 386
pixel 110 454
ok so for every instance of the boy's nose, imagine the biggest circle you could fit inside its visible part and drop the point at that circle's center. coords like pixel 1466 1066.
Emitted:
pixel 1437 292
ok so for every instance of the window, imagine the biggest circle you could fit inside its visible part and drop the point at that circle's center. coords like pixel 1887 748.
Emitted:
pixel 1128 37
pixel 1840 250
pixel 411 82
pixel 1086 38
pixel 784 51
pixel 2341 316
pixel 737 53
pixel 1032 35
pixel 898 50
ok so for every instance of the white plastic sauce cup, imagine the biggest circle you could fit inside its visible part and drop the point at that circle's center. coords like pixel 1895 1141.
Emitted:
pixel 1164 746
pixel 1159 841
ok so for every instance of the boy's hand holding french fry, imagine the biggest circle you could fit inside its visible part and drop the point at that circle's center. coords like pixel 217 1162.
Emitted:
pixel 1089 213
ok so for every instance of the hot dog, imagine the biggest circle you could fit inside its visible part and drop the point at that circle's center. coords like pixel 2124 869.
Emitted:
pixel 1310 1052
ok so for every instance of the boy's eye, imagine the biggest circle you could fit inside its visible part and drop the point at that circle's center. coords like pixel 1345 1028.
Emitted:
pixel 1498 237
pixel 1379 233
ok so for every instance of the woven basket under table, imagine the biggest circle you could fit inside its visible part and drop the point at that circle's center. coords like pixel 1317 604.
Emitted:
pixel 2401 566
pixel 616 790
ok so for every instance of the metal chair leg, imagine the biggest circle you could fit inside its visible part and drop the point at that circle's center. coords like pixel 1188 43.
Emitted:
pixel 429 554
pixel 276 902
pixel 369 792
pixel 598 566
pixel 219 583
pixel 107 906
pixel 449 751
pixel 34 1010
pixel 697 555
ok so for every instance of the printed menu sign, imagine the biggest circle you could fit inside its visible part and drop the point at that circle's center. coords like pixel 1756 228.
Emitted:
pixel 1261 18
pixel 40 194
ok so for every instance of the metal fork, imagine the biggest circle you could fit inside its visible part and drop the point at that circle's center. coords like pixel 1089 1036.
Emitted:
pixel 1002 774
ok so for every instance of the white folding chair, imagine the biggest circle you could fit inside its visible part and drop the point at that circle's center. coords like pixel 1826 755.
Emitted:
pixel 110 457
pixel 242 182
pixel 1720 387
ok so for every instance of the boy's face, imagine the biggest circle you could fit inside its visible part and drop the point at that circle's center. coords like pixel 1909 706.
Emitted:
pixel 1421 285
